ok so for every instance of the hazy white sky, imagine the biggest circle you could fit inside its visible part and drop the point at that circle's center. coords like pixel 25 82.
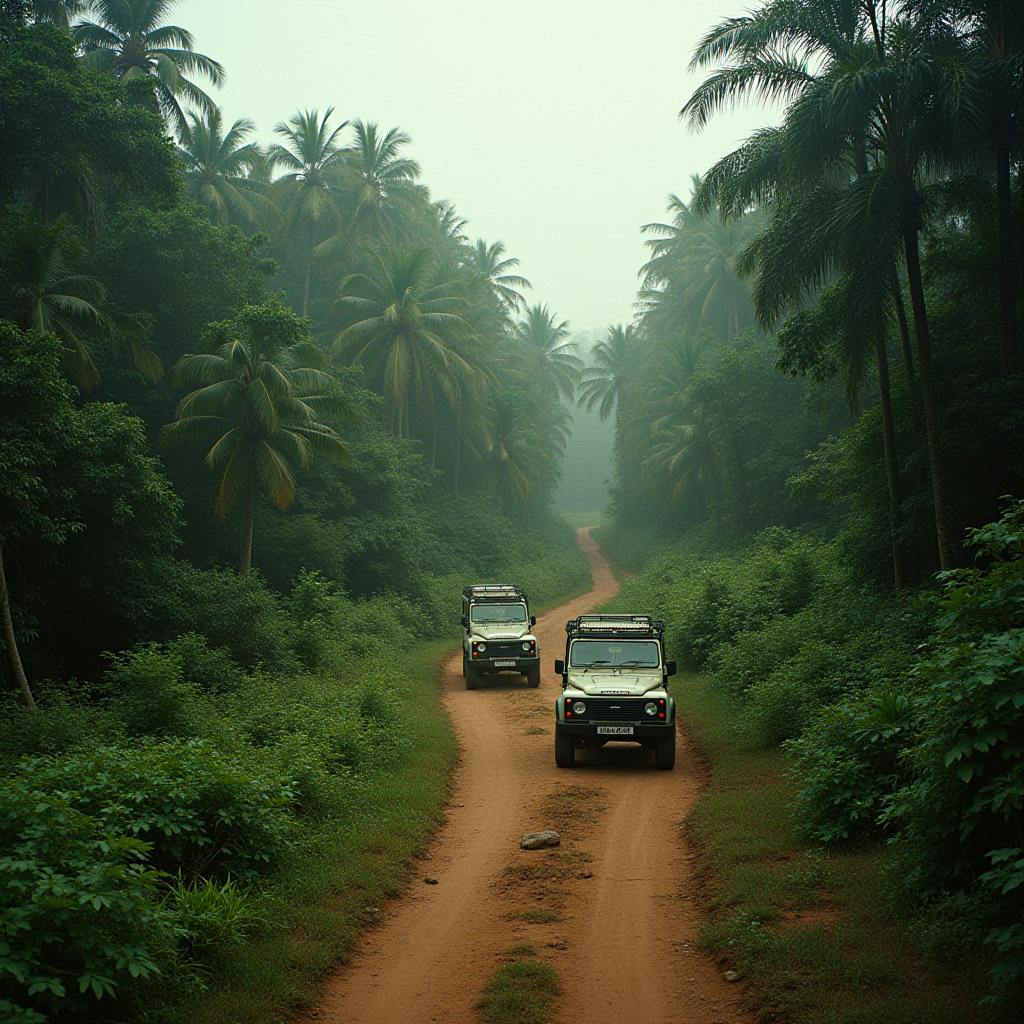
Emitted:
pixel 550 125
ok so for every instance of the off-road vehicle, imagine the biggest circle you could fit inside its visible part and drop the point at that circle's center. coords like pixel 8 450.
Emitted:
pixel 615 687
pixel 497 620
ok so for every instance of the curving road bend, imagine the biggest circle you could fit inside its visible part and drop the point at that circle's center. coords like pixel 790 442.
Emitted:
pixel 612 910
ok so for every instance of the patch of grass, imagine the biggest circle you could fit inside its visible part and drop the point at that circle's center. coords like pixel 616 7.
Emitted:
pixel 536 730
pixel 576 803
pixel 520 992
pixel 812 930
pixel 345 866
pixel 536 916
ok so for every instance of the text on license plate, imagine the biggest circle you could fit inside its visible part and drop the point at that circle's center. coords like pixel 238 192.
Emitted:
pixel 615 730
pixel 504 664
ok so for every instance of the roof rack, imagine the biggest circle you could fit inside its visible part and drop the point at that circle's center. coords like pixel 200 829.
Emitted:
pixel 615 625
pixel 494 592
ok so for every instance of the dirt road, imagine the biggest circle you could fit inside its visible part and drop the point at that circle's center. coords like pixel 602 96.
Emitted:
pixel 612 909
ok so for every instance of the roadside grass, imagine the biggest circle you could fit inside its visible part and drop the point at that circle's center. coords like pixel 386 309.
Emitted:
pixel 813 932
pixel 536 916
pixel 521 991
pixel 345 868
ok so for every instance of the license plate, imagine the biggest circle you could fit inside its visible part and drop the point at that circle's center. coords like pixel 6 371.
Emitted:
pixel 615 730
pixel 504 664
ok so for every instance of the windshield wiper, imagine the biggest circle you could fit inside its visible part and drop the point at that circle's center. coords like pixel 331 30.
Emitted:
pixel 593 663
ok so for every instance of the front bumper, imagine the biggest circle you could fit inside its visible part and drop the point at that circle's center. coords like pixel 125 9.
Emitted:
pixel 641 730
pixel 491 664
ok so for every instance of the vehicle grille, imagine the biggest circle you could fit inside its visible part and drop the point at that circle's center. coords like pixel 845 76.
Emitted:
pixel 507 649
pixel 615 710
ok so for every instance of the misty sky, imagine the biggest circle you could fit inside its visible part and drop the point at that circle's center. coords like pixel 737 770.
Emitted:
pixel 550 125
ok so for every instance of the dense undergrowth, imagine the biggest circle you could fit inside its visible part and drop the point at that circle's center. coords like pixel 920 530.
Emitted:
pixel 198 832
pixel 846 718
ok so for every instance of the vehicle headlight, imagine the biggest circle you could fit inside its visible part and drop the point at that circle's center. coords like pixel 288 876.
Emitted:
pixel 651 708
pixel 527 646
pixel 481 648
pixel 579 708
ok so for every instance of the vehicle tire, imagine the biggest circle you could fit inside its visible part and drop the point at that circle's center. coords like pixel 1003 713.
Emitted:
pixel 533 677
pixel 463 663
pixel 665 752
pixel 565 750
pixel 471 677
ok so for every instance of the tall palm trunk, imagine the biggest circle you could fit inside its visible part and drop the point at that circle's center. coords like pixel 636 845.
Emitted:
pixel 10 640
pixel 1007 268
pixel 892 471
pixel 931 414
pixel 245 562
pixel 309 266
pixel 901 320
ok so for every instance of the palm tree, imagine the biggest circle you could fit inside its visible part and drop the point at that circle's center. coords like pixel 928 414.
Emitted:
pixel 380 177
pixel 518 461
pixel 490 262
pixel 685 455
pixel 263 392
pixel 549 348
pixel 690 282
pixel 605 381
pixel 129 40
pixel 309 152
pixel 56 12
pixel 402 330
pixel 219 169
pixel 41 291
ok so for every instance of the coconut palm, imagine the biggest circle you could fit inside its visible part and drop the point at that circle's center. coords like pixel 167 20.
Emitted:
pixel 264 396
pixel 605 381
pixel 685 456
pixel 309 153
pixel 41 290
pixel 690 282
pixel 378 176
pixel 128 39
pixel 490 262
pixel 551 354
pixel 518 461
pixel 404 318
pixel 219 170
pixel 56 12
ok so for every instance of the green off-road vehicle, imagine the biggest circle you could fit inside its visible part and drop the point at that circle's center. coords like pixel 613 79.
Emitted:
pixel 615 687
pixel 497 620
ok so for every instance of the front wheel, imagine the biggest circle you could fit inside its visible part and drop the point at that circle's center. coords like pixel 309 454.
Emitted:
pixel 471 677
pixel 533 677
pixel 463 663
pixel 565 750
pixel 665 752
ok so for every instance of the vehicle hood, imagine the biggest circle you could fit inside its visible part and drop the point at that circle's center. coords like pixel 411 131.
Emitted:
pixel 500 631
pixel 607 684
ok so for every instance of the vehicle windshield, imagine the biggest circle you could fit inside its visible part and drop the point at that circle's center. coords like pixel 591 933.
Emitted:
pixel 498 613
pixel 614 654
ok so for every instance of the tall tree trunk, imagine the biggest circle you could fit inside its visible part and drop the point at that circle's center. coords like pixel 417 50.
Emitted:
pixel 931 414
pixel 901 319
pixel 309 267
pixel 10 640
pixel 892 470
pixel 245 562
pixel 1007 268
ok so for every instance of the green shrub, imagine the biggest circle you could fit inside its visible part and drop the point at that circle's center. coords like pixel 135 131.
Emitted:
pixel 201 810
pixel 149 694
pixel 209 670
pixel 79 922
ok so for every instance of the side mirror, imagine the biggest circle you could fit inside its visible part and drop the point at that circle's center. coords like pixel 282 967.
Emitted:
pixel 559 667
pixel 670 668
pixel 533 620
pixel 465 622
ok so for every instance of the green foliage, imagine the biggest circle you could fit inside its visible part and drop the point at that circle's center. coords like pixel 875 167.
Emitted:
pixel 199 809
pixel 80 924
pixel 213 918
pixel 150 694
pixel 520 992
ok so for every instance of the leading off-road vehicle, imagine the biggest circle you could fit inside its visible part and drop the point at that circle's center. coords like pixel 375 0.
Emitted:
pixel 615 687
pixel 497 620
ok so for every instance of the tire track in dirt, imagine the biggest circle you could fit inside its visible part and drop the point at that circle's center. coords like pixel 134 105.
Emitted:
pixel 612 909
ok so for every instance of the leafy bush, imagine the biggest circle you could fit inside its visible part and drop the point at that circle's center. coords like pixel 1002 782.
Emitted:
pixel 213 918
pixel 204 668
pixel 79 920
pixel 201 810
pixel 147 689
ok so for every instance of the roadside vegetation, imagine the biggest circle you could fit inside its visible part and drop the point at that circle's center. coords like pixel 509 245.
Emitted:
pixel 818 475
pixel 521 990
pixel 264 410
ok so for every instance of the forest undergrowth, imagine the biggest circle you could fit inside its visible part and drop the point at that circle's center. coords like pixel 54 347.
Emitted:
pixel 857 837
